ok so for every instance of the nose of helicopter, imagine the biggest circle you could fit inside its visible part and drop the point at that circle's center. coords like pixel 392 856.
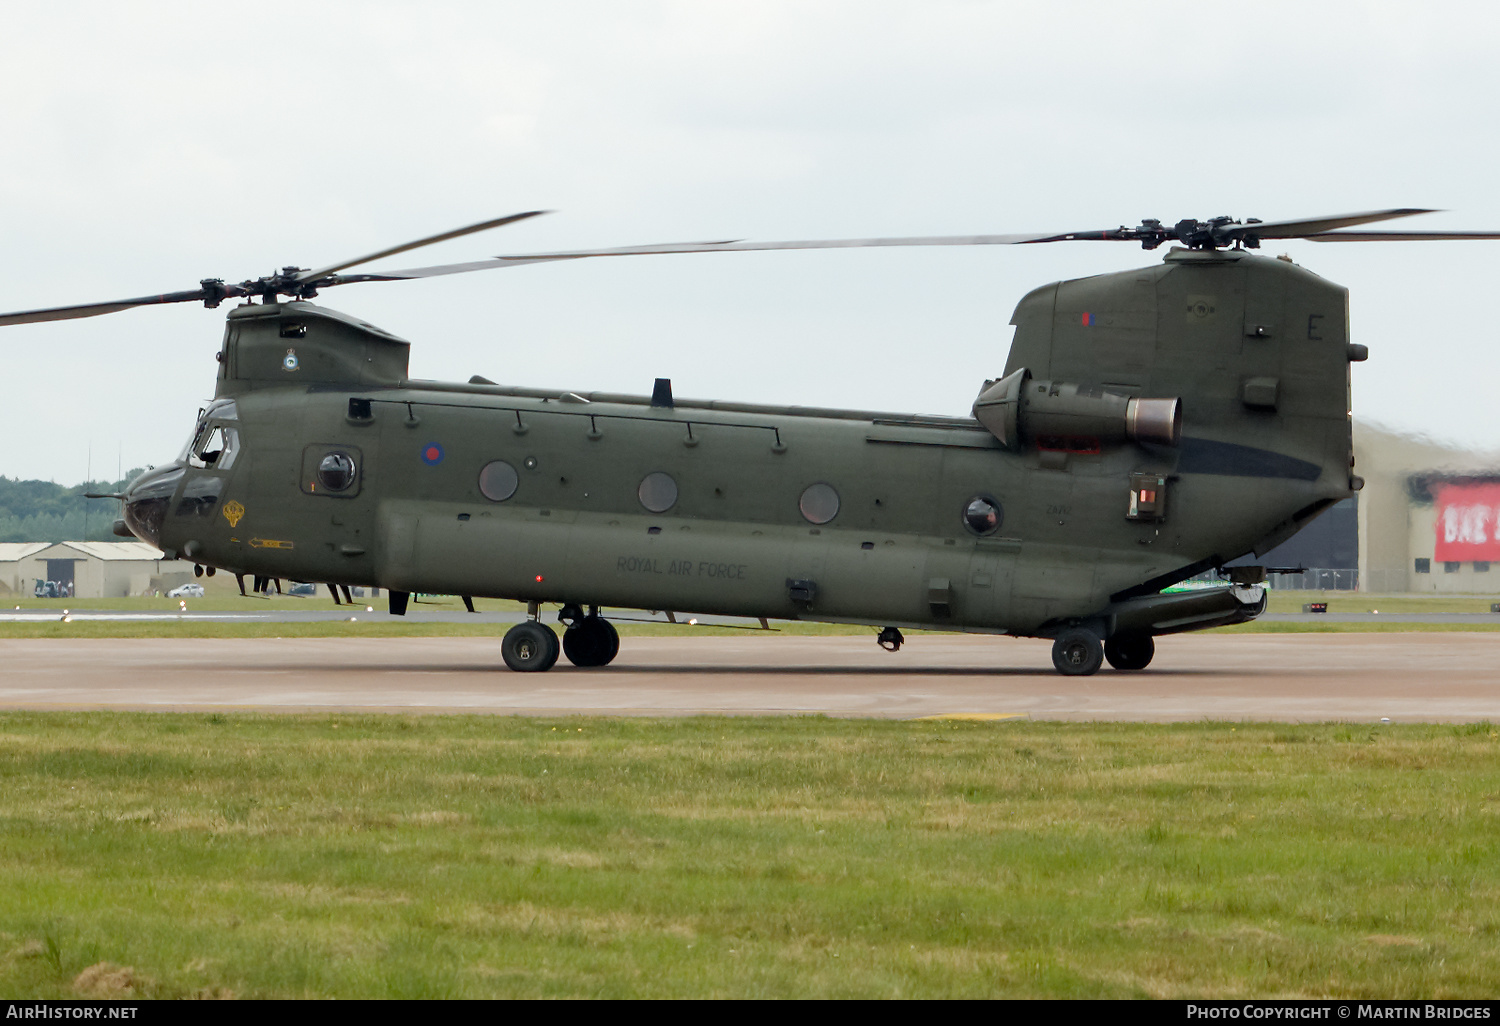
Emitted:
pixel 147 499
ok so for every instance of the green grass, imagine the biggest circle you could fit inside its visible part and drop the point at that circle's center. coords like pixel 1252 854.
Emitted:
pixel 1362 602
pixel 342 856
pixel 1395 626
pixel 370 628
pixel 221 597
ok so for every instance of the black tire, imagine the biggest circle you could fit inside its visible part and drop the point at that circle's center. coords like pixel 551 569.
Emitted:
pixel 1077 652
pixel 530 647
pixel 593 642
pixel 1130 651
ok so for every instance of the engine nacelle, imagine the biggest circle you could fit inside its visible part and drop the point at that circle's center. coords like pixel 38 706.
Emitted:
pixel 1019 409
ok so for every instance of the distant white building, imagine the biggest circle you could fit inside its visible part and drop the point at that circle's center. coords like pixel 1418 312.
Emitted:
pixel 88 569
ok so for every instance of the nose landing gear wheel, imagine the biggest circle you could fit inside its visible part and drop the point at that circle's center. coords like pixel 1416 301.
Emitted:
pixel 1130 651
pixel 593 641
pixel 1077 652
pixel 529 647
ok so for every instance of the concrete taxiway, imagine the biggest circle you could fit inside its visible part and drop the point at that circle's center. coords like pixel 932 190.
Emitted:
pixel 1283 677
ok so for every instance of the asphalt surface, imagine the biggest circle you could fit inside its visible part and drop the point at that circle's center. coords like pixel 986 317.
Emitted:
pixel 1287 677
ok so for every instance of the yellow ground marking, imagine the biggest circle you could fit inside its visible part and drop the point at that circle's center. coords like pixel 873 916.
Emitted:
pixel 975 716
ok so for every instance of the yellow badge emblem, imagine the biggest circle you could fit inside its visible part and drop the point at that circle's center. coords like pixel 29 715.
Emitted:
pixel 232 513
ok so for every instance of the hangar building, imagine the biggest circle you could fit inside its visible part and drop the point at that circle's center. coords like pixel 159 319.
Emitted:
pixel 88 569
pixel 1429 515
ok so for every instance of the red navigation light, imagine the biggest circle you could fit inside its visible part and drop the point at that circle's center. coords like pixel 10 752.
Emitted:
pixel 539 578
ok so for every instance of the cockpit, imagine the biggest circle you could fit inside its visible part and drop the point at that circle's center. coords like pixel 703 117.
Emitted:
pixel 215 439
pixel 210 451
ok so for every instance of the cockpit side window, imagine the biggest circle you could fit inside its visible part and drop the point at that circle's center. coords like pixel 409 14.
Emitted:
pixel 214 448
pixel 211 435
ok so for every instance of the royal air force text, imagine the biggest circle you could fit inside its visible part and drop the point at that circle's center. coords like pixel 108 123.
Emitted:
pixel 683 568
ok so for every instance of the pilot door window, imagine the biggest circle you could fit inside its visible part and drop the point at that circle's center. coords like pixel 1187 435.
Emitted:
pixel 214 448
pixel 1148 497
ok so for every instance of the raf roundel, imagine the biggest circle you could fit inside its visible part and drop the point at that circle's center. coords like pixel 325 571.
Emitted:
pixel 432 454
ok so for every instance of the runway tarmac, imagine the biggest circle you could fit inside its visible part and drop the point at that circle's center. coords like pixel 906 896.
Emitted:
pixel 1286 677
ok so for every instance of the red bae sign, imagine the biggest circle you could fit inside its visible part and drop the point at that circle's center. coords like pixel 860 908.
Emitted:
pixel 1468 523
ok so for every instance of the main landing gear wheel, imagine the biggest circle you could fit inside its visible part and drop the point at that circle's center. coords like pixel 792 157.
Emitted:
pixel 592 641
pixel 1130 651
pixel 1077 652
pixel 530 647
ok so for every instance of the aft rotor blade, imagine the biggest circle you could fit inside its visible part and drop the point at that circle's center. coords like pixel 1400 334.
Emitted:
pixel 323 272
pixel 742 247
pixel 1307 226
pixel 1400 236
pixel 66 313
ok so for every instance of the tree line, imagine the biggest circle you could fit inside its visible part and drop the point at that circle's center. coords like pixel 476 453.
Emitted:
pixel 43 511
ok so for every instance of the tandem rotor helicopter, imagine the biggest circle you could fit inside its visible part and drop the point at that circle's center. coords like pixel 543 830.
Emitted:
pixel 1149 425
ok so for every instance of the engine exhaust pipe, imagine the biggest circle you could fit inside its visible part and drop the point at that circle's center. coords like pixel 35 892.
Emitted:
pixel 1019 408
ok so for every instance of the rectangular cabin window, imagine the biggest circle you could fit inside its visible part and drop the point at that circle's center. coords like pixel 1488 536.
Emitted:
pixel 1423 565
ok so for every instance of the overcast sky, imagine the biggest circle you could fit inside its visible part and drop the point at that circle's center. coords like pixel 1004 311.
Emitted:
pixel 146 146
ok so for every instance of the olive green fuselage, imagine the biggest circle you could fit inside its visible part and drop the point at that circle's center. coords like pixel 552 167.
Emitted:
pixel 1256 350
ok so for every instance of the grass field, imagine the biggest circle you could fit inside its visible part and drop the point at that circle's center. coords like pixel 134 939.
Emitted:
pixel 1362 602
pixel 222 598
pixel 258 856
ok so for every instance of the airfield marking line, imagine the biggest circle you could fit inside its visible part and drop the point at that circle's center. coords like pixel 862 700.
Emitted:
pixel 975 716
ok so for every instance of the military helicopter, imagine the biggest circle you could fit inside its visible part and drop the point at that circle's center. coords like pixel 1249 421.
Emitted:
pixel 1149 425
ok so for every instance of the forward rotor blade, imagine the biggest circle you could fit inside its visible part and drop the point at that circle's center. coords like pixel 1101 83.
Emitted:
pixel 1400 236
pixel 323 272
pixel 516 261
pixel 1316 225
pixel 66 313
pixel 712 247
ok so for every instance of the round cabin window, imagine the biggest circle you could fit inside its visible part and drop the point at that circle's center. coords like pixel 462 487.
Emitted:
pixel 819 503
pixel 983 515
pixel 658 492
pixel 498 481
pixel 336 471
